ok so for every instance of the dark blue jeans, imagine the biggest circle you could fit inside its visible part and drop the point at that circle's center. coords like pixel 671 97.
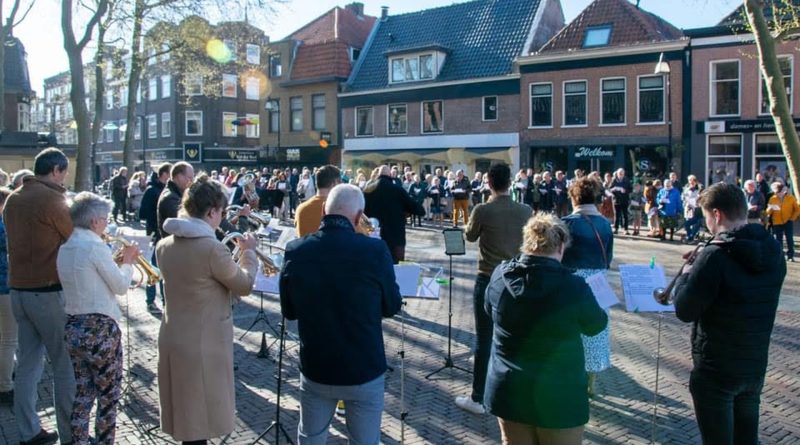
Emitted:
pixel 483 338
pixel 726 408
pixel 692 226
pixel 785 231
pixel 150 291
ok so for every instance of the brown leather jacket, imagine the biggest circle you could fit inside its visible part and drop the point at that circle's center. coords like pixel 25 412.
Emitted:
pixel 37 223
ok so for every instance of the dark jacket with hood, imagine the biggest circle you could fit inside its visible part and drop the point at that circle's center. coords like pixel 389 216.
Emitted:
pixel 536 371
pixel 168 205
pixel 148 211
pixel 389 203
pixel 731 295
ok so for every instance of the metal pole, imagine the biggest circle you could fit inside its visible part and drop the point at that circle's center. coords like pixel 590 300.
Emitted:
pixel 144 143
pixel 669 124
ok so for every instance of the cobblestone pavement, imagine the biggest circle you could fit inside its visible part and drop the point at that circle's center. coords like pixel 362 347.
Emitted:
pixel 622 413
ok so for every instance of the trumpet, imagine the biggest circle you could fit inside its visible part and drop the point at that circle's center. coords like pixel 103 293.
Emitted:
pixel 664 295
pixel 149 272
pixel 258 218
pixel 367 226
pixel 268 266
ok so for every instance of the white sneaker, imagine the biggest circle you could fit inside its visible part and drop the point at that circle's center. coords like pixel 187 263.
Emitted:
pixel 467 404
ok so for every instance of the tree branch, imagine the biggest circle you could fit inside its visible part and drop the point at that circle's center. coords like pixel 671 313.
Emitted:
pixel 102 6
pixel 24 15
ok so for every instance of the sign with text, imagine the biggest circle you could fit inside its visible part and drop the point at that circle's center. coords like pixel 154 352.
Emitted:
pixel 743 126
pixel 228 154
pixel 593 152
pixel 192 152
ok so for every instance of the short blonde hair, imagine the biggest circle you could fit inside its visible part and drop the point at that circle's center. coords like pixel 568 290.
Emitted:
pixel 544 234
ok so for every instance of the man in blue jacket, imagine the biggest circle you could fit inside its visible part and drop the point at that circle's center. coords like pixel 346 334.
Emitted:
pixel 339 285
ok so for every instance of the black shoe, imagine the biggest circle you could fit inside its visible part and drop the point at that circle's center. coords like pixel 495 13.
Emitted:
pixel 7 398
pixel 43 438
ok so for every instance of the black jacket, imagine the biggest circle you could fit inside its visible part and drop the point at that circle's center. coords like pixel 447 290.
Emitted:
pixel 536 371
pixel 168 204
pixel 622 198
pixel 731 295
pixel 338 285
pixel 390 204
pixel 148 211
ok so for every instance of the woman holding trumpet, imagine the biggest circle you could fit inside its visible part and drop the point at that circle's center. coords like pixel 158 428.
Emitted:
pixel 92 278
pixel 195 343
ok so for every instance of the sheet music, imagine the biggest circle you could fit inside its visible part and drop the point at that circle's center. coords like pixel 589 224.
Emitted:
pixel 638 284
pixel 266 284
pixel 407 278
pixel 602 290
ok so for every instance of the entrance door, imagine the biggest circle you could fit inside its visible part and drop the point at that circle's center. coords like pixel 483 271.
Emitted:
pixel 596 164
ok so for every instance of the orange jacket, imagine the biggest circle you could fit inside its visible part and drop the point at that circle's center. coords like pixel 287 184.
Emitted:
pixel 789 210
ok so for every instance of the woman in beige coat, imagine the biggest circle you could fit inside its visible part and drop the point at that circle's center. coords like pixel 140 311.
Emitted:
pixel 195 343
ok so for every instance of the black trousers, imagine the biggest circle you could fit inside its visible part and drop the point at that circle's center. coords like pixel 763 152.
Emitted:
pixel 726 407
pixel 120 206
pixel 621 210
pixel 483 338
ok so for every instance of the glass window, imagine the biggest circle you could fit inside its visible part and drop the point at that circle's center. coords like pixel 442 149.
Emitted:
pixel 123 126
pixel 109 69
pixel 253 54
pixel 398 122
pixel 275 65
pixel 165 49
pixel 725 88
pixel 597 36
pixel 194 84
pixel 613 101
pixel 152 126
pixel 253 130
pixel 229 85
pixel 651 99
pixel 724 158
pixel 398 71
pixel 542 105
pixel 413 68
pixel 432 117
pixel 252 88
pixel 318 108
pixel 152 89
pixel 296 108
pixel 109 132
pixel 228 129
pixel 770 160
pixel 194 123
pixel 151 56
pixel 364 121
pixel 137 132
pixel 426 67
pixel 785 62
pixel 275 117
pixel 230 46
pixel 166 86
pixel 354 54
pixel 575 103
pixel 490 108
pixel 166 125
pixel 109 99
pixel 123 96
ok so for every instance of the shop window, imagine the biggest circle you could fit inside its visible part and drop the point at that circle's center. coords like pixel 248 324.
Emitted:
pixel 397 119
pixel 725 88
pixel 785 62
pixel 490 108
pixel 724 158
pixel 651 99
pixel 770 160
pixel 364 121
pixel 613 101
pixel 541 105
pixel 575 103
pixel 432 117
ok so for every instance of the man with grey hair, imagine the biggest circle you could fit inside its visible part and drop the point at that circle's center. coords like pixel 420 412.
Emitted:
pixel 756 203
pixel 338 285
pixel 17 177
pixel 37 223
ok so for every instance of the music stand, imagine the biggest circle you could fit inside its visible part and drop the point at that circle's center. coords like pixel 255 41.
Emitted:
pixel 277 422
pixel 453 245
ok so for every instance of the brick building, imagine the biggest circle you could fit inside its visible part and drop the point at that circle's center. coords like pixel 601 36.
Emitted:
pixel 591 99
pixel 437 88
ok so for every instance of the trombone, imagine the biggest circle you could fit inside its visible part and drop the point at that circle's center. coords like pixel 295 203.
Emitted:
pixel 149 273
pixel 268 265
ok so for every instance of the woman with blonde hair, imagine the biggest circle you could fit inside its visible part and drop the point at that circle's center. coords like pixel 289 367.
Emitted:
pixel 536 382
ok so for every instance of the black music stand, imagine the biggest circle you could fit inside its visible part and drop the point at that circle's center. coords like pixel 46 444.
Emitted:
pixel 453 245
pixel 277 422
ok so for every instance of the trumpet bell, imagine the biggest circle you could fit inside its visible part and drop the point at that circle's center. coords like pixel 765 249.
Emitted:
pixel 662 296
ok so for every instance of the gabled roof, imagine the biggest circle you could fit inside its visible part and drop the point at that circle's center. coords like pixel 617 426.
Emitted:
pixel 15 66
pixel 629 26
pixel 482 39
pixel 325 42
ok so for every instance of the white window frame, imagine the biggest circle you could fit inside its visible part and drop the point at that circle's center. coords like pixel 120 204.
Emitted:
pixel 253 131
pixel 165 49
pixel 708 158
pixel 530 106
pixel 227 79
pixel 250 83
pixel 257 48
pixel 123 96
pixel 199 115
pixel 324 113
pixel 483 108
pixel 434 75
pixel 564 103
pixel 302 114
pixel 110 98
pixel 422 117
pixel 664 104
pixel 624 102
pixel 166 124
pixel 388 114
pixel 109 133
pixel 137 129
pixel 152 126
pixel 755 156
pixel 711 83
pixel 355 121
pixel 122 124
pixel 229 131
pixel 166 86
pixel 270 66
pixel 152 89
pixel 194 80
pixel 789 97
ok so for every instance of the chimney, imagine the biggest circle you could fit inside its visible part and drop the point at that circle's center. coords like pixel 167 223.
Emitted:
pixel 384 13
pixel 356 8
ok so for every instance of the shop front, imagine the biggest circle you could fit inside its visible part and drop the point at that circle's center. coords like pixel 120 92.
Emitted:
pixel 426 161
pixel 649 161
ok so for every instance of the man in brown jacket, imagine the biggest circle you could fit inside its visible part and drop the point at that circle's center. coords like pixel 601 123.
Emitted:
pixel 37 223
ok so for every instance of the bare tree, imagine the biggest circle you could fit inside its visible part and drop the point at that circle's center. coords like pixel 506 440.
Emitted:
pixel 19 10
pixel 74 47
pixel 784 23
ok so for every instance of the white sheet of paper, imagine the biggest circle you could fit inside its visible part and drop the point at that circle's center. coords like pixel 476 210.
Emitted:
pixel 287 235
pixel 429 289
pixel 458 190
pixel 665 201
pixel 602 290
pixel 407 278
pixel 520 185
pixel 266 284
pixel 281 186
pixel 774 207
pixel 638 284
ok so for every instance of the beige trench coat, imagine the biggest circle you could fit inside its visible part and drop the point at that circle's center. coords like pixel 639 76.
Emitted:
pixel 195 342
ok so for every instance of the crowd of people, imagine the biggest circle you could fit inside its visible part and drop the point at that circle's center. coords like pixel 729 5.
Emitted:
pixel 541 337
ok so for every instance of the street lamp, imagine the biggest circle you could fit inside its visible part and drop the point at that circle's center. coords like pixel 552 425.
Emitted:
pixel 274 106
pixel 662 68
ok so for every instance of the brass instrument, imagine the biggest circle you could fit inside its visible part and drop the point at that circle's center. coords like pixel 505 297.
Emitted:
pixel 147 270
pixel 267 264
pixel 367 226
pixel 664 295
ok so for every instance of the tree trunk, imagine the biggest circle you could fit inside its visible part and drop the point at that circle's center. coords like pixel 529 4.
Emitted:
pixel 99 96
pixel 134 80
pixel 778 102
pixel 2 74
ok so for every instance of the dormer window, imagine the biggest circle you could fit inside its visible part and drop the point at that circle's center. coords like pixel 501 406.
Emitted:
pixel 413 68
pixel 354 53
pixel 597 36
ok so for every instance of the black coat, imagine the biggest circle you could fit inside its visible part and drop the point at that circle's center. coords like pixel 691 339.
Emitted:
pixel 622 198
pixel 148 211
pixel 168 204
pixel 731 295
pixel 390 204
pixel 536 373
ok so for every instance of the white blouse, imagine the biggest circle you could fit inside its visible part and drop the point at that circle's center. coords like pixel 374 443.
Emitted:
pixel 89 275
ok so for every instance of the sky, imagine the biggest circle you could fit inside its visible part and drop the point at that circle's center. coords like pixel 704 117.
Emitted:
pixel 41 32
